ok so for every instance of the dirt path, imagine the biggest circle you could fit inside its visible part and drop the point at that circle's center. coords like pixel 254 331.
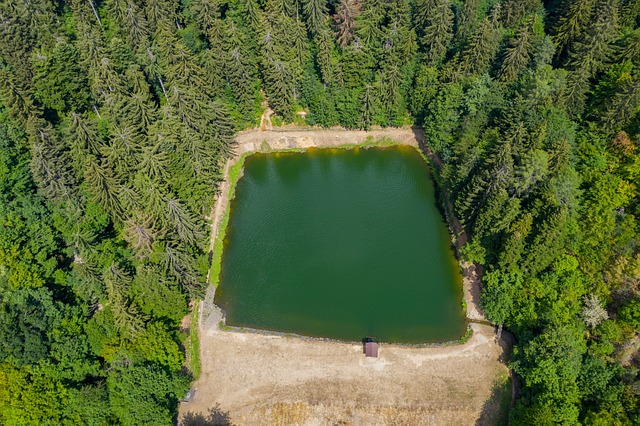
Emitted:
pixel 265 120
pixel 253 379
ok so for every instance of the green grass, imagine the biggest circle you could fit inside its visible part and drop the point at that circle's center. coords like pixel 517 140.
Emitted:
pixel 465 337
pixel 223 326
pixel 369 143
pixel 264 147
pixel 235 171
pixel 194 343
pixel 503 389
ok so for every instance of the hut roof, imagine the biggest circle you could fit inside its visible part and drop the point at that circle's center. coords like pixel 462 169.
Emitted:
pixel 371 349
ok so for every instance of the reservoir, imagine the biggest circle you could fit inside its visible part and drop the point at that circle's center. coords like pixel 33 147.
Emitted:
pixel 340 244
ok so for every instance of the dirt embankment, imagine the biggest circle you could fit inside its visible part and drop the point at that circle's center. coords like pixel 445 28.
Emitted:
pixel 253 379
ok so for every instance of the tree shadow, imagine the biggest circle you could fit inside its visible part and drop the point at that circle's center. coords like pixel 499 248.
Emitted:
pixel 495 410
pixel 216 417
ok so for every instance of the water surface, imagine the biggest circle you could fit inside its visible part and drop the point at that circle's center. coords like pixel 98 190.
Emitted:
pixel 340 244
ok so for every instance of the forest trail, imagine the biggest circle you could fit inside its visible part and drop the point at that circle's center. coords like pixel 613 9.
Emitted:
pixel 265 120
pixel 254 379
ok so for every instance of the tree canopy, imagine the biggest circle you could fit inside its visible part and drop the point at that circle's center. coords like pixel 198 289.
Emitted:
pixel 116 116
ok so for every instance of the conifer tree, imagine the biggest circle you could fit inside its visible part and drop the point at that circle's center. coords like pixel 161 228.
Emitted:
pixel 630 14
pixel 622 108
pixel 139 233
pixel 438 31
pixel 315 12
pixel 591 54
pixel 160 11
pixel 254 14
pixel 128 318
pixel 82 138
pixel 103 187
pixel 182 222
pixel 324 41
pixel 572 24
pixel 596 49
pixel 631 49
pixel 422 9
pixel 240 74
pixel 59 81
pixel 369 23
pixel 390 91
pixel 155 161
pixel 481 49
pixel 368 107
pixel 14 97
pixel 515 10
pixel 16 39
pixel 213 60
pixel 467 19
pixel 346 13
pixel 206 13
pixel 518 55
pixel 131 21
pixel 50 165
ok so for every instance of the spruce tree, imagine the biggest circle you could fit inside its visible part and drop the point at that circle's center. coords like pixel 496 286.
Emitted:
pixel 15 97
pixel 346 13
pixel 103 187
pixel 438 31
pixel 315 12
pixel 572 24
pixel 622 108
pixel 368 24
pixel 368 107
pixel 50 165
pixel 206 13
pixel 596 48
pixel 515 10
pixel 518 55
pixel 160 11
pixel 467 19
pixel 481 49
pixel 324 56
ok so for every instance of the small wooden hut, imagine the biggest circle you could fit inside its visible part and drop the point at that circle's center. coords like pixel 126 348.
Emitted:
pixel 371 349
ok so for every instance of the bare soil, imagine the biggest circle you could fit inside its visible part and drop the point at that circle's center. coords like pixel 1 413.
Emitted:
pixel 255 379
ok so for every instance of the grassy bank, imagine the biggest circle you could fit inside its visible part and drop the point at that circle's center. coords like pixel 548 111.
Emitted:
pixel 194 348
pixel 235 172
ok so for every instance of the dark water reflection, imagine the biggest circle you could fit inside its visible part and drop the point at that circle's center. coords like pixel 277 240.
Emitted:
pixel 340 244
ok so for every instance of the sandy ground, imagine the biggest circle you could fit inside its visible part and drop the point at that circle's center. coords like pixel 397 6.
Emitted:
pixel 260 379
pixel 254 379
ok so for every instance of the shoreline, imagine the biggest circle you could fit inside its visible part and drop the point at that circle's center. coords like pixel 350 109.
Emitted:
pixel 256 140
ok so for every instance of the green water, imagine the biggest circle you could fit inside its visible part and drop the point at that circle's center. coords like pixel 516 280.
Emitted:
pixel 340 244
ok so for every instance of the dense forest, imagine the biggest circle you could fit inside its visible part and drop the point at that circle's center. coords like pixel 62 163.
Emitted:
pixel 116 115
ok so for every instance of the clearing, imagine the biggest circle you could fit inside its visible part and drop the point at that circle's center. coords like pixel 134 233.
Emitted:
pixel 256 379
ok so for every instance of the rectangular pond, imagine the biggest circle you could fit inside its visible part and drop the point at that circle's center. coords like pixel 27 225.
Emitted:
pixel 340 244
